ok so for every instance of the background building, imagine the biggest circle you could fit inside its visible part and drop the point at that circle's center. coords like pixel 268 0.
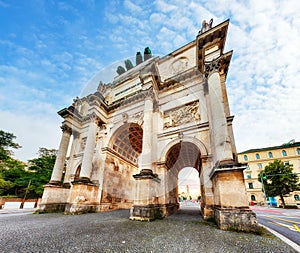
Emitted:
pixel 257 159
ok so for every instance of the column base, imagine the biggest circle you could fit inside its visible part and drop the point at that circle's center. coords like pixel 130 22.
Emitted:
pixel 236 219
pixel 54 182
pixel 146 213
pixel 207 212
pixel 82 180
pixel 152 212
pixel 83 198
pixel 55 198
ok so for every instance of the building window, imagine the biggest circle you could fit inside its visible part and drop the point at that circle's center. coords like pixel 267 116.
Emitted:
pixel 257 156
pixel 248 175
pixel 287 163
pixel 245 158
pixel 298 151
pixel 253 198
pixel 250 185
pixel 270 154
pixel 296 197
pixel 259 165
pixel 283 153
pixel 248 167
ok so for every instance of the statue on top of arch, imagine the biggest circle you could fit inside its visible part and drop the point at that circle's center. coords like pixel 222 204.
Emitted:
pixel 206 26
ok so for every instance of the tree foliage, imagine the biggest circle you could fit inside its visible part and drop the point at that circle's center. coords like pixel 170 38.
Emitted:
pixel 15 176
pixel 279 179
pixel 41 169
pixel 6 142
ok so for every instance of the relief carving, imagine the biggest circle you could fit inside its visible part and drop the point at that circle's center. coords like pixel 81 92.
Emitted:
pixel 138 118
pixel 181 115
pixel 179 65
pixel 83 143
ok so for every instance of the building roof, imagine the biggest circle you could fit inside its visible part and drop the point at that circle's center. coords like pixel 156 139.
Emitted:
pixel 290 144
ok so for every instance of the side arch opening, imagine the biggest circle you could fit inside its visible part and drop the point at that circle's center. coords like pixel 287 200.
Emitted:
pixel 121 163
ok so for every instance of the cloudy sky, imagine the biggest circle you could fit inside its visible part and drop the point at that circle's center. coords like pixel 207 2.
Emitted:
pixel 50 50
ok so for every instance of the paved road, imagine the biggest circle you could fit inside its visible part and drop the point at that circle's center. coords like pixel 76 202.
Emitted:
pixel 283 221
pixel 184 231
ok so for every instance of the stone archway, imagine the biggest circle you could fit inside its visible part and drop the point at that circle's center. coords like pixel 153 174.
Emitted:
pixel 183 104
pixel 179 156
pixel 121 163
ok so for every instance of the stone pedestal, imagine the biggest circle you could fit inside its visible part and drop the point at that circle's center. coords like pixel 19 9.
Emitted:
pixel 55 198
pixel 146 206
pixel 231 208
pixel 84 198
pixel 237 219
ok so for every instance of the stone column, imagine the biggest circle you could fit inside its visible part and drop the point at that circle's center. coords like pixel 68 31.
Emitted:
pixel 70 164
pixel 221 142
pixel 145 159
pixel 61 156
pixel 87 161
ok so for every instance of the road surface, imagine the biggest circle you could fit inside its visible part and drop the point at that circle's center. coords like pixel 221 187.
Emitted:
pixel 284 221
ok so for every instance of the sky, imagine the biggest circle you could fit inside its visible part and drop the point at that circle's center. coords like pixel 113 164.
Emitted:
pixel 51 51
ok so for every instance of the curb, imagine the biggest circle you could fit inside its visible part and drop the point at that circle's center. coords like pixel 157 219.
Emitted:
pixel 283 238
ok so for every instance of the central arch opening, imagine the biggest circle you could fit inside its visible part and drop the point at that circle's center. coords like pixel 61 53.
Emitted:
pixel 188 187
pixel 183 162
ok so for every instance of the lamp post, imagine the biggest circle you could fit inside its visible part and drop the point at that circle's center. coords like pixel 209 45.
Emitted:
pixel 263 188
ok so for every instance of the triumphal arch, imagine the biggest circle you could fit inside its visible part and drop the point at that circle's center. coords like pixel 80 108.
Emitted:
pixel 130 138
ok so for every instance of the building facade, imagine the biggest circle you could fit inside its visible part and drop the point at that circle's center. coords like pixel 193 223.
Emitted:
pixel 131 138
pixel 257 159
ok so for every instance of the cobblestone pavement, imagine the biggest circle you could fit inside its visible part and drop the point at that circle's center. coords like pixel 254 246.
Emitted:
pixel 114 232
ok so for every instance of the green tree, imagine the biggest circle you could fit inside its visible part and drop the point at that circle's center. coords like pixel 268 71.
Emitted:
pixel 11 170
pixel 6 142
pixel 18 176
pixel 279 179
pixel 40 171
pixel 4 184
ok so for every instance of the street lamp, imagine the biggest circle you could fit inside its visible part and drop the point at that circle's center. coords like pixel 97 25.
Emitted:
pixel 263 187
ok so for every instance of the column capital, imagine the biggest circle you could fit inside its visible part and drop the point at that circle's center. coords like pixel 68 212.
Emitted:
pixel 92 117
pixel 66 129
pixel 219 65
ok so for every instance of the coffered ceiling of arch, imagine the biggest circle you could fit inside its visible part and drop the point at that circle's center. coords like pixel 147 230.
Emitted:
pixel 128 142
pixel 183 154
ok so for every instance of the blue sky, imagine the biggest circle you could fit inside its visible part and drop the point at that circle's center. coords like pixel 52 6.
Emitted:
pixel 50 50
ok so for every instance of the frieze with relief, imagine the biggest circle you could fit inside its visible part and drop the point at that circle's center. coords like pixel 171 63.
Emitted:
pixel 181 115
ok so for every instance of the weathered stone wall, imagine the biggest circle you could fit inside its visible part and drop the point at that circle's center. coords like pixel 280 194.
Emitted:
pixel 236 219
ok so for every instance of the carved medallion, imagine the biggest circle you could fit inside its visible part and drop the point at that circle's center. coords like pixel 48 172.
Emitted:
pixel 179 65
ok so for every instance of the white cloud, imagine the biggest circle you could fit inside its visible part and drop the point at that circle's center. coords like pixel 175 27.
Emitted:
pixel 32 132
pixel 132 7
pixel 262 81
pixel 164 6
